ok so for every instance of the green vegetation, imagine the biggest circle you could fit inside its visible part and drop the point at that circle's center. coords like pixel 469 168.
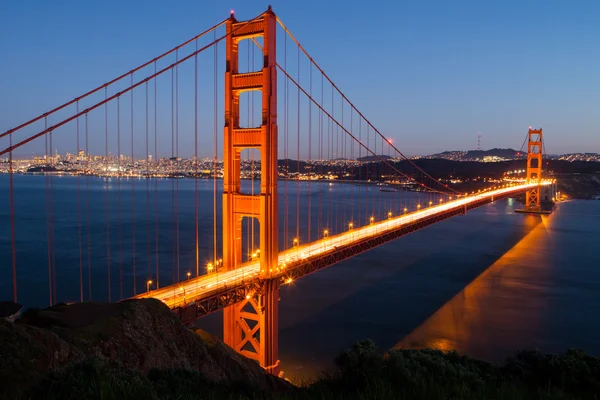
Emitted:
pixel 141 350
pixel 362 373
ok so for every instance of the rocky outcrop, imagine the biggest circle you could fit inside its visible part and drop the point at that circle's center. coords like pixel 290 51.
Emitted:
pixel 10 311
pixel 141 335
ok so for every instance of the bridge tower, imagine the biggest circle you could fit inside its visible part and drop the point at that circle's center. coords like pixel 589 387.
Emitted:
pixel 251 326
pixel 534 170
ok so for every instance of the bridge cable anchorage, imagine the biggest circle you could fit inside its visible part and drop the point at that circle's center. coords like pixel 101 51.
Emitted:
pixel 353 106
pixel 126 90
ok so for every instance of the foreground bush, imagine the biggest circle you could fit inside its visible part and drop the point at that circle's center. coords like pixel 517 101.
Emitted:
pixel 362 372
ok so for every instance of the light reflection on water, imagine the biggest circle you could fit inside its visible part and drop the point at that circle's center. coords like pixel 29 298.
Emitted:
pixel 488 313
pixel 486 285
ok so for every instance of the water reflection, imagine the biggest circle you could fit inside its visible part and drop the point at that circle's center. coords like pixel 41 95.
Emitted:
pixel 504 306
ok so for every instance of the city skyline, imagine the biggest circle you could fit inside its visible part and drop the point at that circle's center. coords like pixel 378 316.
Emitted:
pixel 457 72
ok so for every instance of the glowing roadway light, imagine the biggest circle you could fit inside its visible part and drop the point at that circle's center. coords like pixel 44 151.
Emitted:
pixel 389 214
pixel 189 274
pixel 405 210
pixel 430 203
pixel 418 206
pixel 350 226
pixel 372 219
pixel 325 233
pixel 148 283
pixel 296 242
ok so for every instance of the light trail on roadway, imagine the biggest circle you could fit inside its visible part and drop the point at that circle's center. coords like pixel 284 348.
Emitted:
pixel 186 292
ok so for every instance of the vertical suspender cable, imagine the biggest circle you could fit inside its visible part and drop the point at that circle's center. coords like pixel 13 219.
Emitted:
pixel 298 154
pixel 147 206
pixel 119 177
pixel 196 161
pixel 285 149
pixel 87 201
pixel 133 200
pixel 48 223
pixel 79 239
pixel 12 220
pixel 156 161
pixel 215 257
pixel 173 165
pixel 53 245
pixel 310 174
pixel 107 211
pixel 178 163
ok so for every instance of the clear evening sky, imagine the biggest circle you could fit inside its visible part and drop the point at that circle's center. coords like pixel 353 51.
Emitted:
pixel 430 74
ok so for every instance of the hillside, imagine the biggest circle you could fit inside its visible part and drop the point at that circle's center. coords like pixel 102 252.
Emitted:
pixel 138 349
pixel 136 337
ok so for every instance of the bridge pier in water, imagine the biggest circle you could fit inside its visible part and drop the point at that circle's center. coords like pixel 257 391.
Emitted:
pixel 251 326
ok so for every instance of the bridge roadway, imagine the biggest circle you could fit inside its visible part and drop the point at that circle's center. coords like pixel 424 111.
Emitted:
pixel 202 295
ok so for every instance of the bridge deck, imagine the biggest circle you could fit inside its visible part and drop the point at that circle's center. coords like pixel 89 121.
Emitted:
pixel 199 296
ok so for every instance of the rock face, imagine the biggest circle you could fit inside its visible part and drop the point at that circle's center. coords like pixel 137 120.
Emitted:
pixel 139 334
pixel 10 311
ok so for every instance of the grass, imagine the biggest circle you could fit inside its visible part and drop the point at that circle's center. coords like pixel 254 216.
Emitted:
pixel 362 372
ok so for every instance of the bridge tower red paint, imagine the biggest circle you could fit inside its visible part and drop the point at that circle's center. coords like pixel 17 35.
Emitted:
pixel 534 170
pixel 251 326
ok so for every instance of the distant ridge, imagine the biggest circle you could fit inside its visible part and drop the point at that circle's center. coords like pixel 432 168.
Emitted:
pixel 477 155
pixel 373 158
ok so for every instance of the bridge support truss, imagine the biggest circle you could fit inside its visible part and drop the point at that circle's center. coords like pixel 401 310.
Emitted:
pixel 251 326
pixel 534 171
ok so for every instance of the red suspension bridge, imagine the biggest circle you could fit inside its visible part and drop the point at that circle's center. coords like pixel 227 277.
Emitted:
pixel 259 212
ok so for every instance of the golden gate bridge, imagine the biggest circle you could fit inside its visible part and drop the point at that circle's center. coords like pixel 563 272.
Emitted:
pixel 268 124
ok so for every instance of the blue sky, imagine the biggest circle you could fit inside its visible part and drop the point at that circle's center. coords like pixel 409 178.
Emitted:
pixel 430 74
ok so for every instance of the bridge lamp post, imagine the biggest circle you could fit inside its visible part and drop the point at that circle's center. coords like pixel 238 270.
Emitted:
pixel 430 203
pixel 189 274
pixel 209 267
pixel 389 214
pixel 183 290
pixel 371 220
pixel 148 283
pixel 296 245
pixel 418 206
pixel 405 210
